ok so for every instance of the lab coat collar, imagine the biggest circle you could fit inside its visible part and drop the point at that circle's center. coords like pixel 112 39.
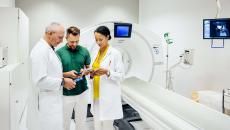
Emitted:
pixel 46 43
pixel 42 40
pixel 107 53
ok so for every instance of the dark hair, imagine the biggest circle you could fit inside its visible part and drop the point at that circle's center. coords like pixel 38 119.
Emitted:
pixel 73 30
pixel 104 31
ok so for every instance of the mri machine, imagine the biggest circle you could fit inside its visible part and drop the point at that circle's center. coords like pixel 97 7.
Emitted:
pixel 141 53
pixel 143 87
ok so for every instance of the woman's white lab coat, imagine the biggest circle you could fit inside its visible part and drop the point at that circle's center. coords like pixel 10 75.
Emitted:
pixel 47 76
pixel 110 106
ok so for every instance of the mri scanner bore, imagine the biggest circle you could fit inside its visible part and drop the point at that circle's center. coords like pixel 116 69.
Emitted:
pixel 141 49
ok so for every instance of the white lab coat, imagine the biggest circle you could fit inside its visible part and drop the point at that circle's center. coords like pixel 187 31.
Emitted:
pixel 110 106
pixel 47 76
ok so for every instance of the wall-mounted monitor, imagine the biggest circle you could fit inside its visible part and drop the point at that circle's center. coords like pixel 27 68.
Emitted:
pixel 122 30
pixel 216 28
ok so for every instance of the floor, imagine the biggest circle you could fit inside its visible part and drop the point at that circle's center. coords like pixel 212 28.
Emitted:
pixel 138 125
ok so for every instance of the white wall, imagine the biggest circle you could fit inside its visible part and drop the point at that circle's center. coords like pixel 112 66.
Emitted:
pixel 183 19
pixel 79 13
pixel 7 3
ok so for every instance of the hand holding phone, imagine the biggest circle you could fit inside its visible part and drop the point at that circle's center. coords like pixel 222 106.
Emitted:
pixel 77 73
pixel 78 79
pixel 79 76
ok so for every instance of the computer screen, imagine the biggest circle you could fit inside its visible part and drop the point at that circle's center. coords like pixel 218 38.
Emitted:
pixel 122 30
pixel 216 28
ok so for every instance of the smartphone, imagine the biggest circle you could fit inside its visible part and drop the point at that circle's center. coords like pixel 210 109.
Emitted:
pixel 77 73
pixel 78 79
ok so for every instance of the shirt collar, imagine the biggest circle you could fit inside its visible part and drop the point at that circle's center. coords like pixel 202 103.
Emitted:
pixel 76 49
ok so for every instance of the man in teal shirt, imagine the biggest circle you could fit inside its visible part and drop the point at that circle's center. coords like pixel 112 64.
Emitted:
pixel 74 59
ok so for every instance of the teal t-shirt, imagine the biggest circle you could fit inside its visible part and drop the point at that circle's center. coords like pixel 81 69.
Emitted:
pixel 74 60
